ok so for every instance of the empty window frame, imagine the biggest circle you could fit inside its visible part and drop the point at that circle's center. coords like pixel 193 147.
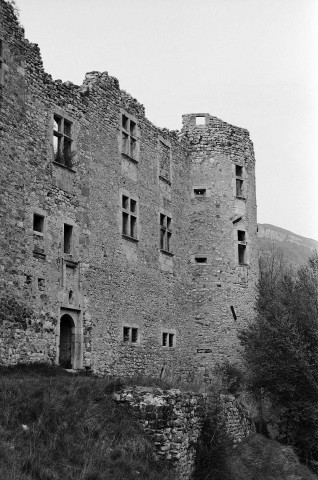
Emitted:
pixel 165 233
pixel 62 141
pixel 129 137
pixel 38 223
pixel 241 238
pixel 201 260
pixel 129 217
pixel 239 180
pixel 199 192
pixel 168 339
pixel 200 120
pixel 67 238
pixel 130 334
pixel 164 160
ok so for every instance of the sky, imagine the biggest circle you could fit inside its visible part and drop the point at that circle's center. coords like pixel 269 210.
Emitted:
pixel 252 63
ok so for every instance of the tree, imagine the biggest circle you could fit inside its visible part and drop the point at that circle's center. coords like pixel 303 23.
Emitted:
pixel 281 349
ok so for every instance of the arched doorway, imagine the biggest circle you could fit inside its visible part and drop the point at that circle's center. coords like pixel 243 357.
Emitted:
pixel 67 342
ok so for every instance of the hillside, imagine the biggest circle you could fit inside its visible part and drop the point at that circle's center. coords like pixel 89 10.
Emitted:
pixel 296 248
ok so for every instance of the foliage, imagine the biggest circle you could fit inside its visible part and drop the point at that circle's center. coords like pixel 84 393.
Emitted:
pixel 14 310
pixel 56 426
pixel 281 349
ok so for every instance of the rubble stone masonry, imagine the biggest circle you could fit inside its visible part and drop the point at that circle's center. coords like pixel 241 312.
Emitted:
pixel 125 240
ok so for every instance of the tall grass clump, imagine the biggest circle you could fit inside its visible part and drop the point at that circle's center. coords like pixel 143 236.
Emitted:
pixel 58 426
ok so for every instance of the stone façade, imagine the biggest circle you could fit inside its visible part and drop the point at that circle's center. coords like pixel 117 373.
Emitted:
pixel 134 246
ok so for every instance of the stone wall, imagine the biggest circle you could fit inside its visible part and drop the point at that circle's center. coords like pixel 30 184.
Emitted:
pixel 174 421
pixel 100 226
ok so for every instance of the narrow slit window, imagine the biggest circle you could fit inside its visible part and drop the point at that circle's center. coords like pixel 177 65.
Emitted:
pixel 68 232
pixel 38 223
pixel 233 313
pixel 171 340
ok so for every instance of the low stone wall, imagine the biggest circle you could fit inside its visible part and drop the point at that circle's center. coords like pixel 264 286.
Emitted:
pixel 233 419
pixel 174 421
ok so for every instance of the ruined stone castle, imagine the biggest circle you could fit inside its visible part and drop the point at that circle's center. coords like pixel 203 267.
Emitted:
pixel 133 246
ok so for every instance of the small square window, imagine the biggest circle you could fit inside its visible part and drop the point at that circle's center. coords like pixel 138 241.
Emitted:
pixel 168 339
pixel 38 223
pixel 130 334
pixel 201 260
pixel 241 235
pixel 238 170
pixel 200 120
pixel 199 192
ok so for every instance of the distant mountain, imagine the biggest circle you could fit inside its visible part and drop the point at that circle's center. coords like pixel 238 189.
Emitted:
pixel 296 248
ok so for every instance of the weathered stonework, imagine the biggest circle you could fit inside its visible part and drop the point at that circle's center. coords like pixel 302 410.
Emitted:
pixel 174 420
pixel 102 226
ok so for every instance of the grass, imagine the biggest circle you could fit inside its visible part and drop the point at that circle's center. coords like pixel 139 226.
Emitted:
pixel 55 425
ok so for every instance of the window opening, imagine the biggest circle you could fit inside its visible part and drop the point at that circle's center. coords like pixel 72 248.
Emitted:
pixel 241 237
pixel 233 313
pixel 134 335
pixel 38 223
pixel 168 339
pixel 129 217
pixel 199 192
pixel 68 231
pixel 164 161
pixel 200 120
pixel 128 137
pixel 126 334
pixel 239 180
pixel 165 233
pixel 62 141
pixel 41 284
pixel 130 334
pixel 201 259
